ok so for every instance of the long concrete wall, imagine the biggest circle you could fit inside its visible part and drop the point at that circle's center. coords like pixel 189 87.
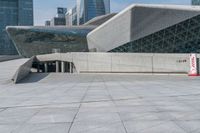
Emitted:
pixel 123 62
pixel 135 63
pixel 113 63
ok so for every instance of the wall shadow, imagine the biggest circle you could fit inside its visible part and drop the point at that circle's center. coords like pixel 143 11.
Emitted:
pixel 33 78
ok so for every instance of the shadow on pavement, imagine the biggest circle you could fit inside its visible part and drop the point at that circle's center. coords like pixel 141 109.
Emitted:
pixel 34 77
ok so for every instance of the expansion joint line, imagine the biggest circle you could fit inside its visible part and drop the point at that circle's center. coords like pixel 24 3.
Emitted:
pixel 173 119
pixel 111 98
pixel 196 109
pixel 81 102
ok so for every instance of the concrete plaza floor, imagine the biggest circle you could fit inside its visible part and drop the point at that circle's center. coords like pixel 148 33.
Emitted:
pixel 98 103
pixel 9 57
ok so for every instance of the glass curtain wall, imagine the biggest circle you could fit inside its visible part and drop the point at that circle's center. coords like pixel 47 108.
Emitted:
pixel 13 13
pixel 89 9
pixel 8 16
pixel 35 41
pixel 195 2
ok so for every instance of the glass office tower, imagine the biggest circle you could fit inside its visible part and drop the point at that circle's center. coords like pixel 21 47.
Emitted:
pixel 13 13
pixel 195 2
pixel 88 9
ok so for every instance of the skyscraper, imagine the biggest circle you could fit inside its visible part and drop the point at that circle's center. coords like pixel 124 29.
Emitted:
pixel 71 17
pixel 195 2
pixel 13 13
pixel 88 9
pixel 74 16
pixel 68 18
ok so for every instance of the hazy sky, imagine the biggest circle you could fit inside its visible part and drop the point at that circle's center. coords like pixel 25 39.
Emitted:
pixel 46 9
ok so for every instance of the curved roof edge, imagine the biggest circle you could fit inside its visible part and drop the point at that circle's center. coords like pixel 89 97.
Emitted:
pixel 100 19
pixel 52 27
pixel 159 6
pixel 137 21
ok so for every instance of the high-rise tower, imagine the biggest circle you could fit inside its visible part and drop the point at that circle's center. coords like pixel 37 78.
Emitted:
pixel 195 2
pixel 13 13
pixel 88 9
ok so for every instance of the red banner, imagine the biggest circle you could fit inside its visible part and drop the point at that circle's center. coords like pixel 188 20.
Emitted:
pixel 193 65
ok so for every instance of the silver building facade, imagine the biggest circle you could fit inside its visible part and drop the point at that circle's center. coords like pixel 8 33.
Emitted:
pixel 13 12
pixel 88 9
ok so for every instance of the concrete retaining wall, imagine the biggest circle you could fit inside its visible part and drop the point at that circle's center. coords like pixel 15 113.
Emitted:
pixel 123 62
pixel 175 63
pixel 135 63
pixel 113 63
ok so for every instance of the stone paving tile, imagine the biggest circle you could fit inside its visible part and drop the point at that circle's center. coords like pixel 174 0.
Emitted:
pixel 17 115
pixel 99 103
pixel 54 115
pixel 43 128
pixel 8 128
pixel 95 127
pixel 167 127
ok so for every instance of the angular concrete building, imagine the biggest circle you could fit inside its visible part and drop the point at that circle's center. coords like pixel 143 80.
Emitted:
pixel 139 28
pixel 149 29
pixel 35 40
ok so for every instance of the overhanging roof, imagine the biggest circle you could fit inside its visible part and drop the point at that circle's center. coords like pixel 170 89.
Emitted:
pixel 138 21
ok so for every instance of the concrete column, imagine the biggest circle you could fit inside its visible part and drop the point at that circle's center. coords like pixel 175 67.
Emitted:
pixel 70 67
pixel 45 67
pixel 38 67
pixel 63 67
pixel 57 66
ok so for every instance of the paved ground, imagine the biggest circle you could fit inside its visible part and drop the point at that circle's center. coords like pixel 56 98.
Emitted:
pixel 99 103
pixel 8 57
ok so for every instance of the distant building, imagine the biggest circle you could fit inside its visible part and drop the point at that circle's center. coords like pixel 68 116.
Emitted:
pixel 13 13
pixel 61 12
pixel 60 17
pixel 74 16
pixel 85 10
pixel 88 9
pixel 68 18
pixel 71 17
pixel 47 23
pixel 195 2
pixel 57 21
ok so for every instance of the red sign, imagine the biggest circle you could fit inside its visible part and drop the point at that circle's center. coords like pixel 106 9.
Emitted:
pixel 193 65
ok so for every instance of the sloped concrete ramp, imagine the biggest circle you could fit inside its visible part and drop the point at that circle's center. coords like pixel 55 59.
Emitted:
pixel 8 68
